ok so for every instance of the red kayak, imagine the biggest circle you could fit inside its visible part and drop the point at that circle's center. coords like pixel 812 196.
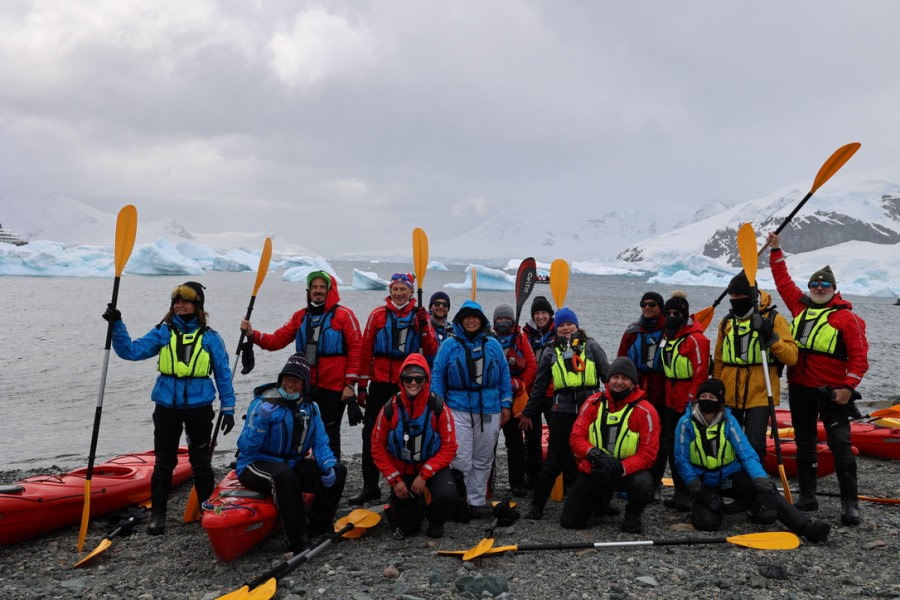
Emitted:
pixel 789 456
pixel 237 518
pixel 871 439
pixel 42 503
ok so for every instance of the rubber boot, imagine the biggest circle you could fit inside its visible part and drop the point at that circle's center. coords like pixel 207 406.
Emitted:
pixel 159 496
pixel 806 477
pixel 816 531
pixel 461 515
pixel 850 511
pixel 367 494
pixel 632 522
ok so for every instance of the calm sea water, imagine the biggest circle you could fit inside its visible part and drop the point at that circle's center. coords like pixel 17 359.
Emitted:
pixel 52 349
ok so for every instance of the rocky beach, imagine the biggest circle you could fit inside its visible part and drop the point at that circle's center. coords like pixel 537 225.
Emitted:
pixel 857 562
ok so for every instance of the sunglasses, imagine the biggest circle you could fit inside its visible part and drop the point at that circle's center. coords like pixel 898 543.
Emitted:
pixel 649 304
pixel 819 284
pixel 673 313
pixel 412 378
pixel 441 303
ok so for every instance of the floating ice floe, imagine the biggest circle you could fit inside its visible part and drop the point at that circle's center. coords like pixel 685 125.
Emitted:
pixel 368 280
pixel 487 279
pixel 436 266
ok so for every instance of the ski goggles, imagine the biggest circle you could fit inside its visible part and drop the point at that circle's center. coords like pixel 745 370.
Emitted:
pixel 404 278
pixel 819 284
pixel 184 292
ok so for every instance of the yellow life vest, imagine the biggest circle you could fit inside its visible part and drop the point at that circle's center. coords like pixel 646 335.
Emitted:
pixel 674 364
pixel 813 333
pixel 741 345
pixel 710 449
pixel 185 356
pixel 564 377
pixel 610 431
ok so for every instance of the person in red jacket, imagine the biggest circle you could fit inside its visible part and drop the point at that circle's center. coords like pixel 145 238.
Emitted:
pixel 615 439
pixel 393 332
pixel 832 362
pixel 413 443
pixel 329 335
pixel 685 358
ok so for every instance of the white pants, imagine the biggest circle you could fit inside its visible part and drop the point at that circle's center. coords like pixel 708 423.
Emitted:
pixel 475 452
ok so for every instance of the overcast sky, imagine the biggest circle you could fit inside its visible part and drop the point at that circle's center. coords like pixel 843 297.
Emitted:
pixel 343 125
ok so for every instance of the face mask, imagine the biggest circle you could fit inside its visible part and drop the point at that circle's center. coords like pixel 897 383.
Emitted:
pixel 673 324
pixel 619 396
pixel 709 406
pixel 503 327
pixel 287 396
pixel 741 307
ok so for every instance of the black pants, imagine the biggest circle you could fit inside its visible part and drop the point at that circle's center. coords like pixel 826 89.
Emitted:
pixel 669 424
pixel 379 394
pixel 332 408
pixel 559 456
pixel 707 510
pixel 591 492
pixel 408 514
pixel 515 453
pixel 168 424
pixel 807 403
pixel 755 423
pixel 534 448
pixel 286 486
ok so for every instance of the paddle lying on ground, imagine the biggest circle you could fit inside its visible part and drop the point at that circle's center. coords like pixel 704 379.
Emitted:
pixel 767 540
pixel 265 586
pixel 126 230
pixel 420 258
pixel 667 481
pixel 501 510
pixel 831 166
pixel 123 527
pixel 192 508
pixel 746 241
pixel 559 287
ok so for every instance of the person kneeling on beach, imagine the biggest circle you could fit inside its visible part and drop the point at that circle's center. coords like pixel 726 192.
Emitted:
pixel 413 443
pixel 615 439
pixel 281 429
pixel 715 459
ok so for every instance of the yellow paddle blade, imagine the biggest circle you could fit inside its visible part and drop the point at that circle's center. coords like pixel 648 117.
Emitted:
pixel 263 268
pixel 420 255
pixel 494 550
pixel 361 519
pixel 192 508
pixel 85 514
pixel 704 316
pixel 480 548
pixel 746 243
pixel 474 283
pixel 264 591
pixel 668 481
pixel 559 281
pixel 238 594
pixel 767 540
pixel 833 164
pixel 558 491
pixel 126 231
pixel 106 543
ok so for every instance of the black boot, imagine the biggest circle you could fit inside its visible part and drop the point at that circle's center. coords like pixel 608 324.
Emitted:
pixel 849 511
pixel 806 477
pixel 365 495
pixel 632 522
pixel 816 531
pixel 159 496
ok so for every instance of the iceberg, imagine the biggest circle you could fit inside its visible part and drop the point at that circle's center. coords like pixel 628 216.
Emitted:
pixel 487 279
pixel 299 273
pixel 161 258
pixel 436 266
pixel 368 280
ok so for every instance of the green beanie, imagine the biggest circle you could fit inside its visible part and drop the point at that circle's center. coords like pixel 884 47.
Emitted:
pixel 824 274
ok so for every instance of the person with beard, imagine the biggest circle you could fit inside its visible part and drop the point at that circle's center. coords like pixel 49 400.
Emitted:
pixel 832 361
pixel 283 426
pixel 188 352
pixel 715 459
pixel 575 366
pixel 413 443
pixel 329 335
pixel 522 369
pixel 439 309
pixel 641 343
pixel 685 359
pixel 393 332
pixel 541 333
pixel 471 374
pixel 616 441
pixel 752 325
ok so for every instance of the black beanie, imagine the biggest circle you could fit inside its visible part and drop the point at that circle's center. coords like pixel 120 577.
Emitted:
pixel 740 286
pixel 197 298
pixel 541 303
pixel 623 366
pixel 714 387
pixel 439 296
pixel 298 366
pixel 679 303
pixel 653 296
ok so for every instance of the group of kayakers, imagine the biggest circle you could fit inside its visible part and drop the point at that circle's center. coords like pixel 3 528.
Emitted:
pixel 434 393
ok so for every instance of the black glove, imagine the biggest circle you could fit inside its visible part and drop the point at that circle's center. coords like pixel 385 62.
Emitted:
pixel 227 424
pixel 505 514
pixel 248 361
pixel 694 486
pixel 764 511
pixel 594 456
pixel 765 328
pixel 112 314
pixel 609 467
pixel 354 413
pixel 422 317
pixel 361 395
pixel 763 485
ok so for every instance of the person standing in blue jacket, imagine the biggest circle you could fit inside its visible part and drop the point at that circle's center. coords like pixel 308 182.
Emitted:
pixel 188 352
pixel 714 458
pixel 283 425
pixel 471 374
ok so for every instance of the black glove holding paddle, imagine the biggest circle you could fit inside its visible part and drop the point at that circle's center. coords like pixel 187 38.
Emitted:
pixel 227 424
pixel 605 465
pixel 112 314
pixel 765 328
pixel 422 317
pixel 248 360
pixel 354 413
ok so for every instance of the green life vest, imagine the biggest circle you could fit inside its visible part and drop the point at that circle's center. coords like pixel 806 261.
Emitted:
pixel 741 345
pixel 675 365
pixel 185 356
pixel 610 432
pixel 710 449
pixel 813 333
pixel 566 377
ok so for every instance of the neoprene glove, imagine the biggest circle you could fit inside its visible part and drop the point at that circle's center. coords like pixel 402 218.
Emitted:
pixel 763 485
pixel 112 314
pixel 694 486
pixel 505 514
pixel 422 316
pixel 361 395
pixel 329 477
pixel 248 360
pixel 594 456
pixel 354 413
pixel 611 467
pixel 227 424
pixel 765 328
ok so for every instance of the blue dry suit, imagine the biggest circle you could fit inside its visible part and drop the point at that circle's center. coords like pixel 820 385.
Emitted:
pixel 472 374
pixel 746 458
pixel 180 392
pixel 280 430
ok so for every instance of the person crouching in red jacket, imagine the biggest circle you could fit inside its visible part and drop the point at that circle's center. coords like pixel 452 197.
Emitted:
pixel 413 443
pixel 615 440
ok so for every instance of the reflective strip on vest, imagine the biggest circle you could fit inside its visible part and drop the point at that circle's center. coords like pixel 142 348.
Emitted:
pixel 741 345
pixel 710 449
pixel 563 377
pixel 398 338
pixel 610 432
pixel 675 365
pixel 813 333
pixel 184 356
